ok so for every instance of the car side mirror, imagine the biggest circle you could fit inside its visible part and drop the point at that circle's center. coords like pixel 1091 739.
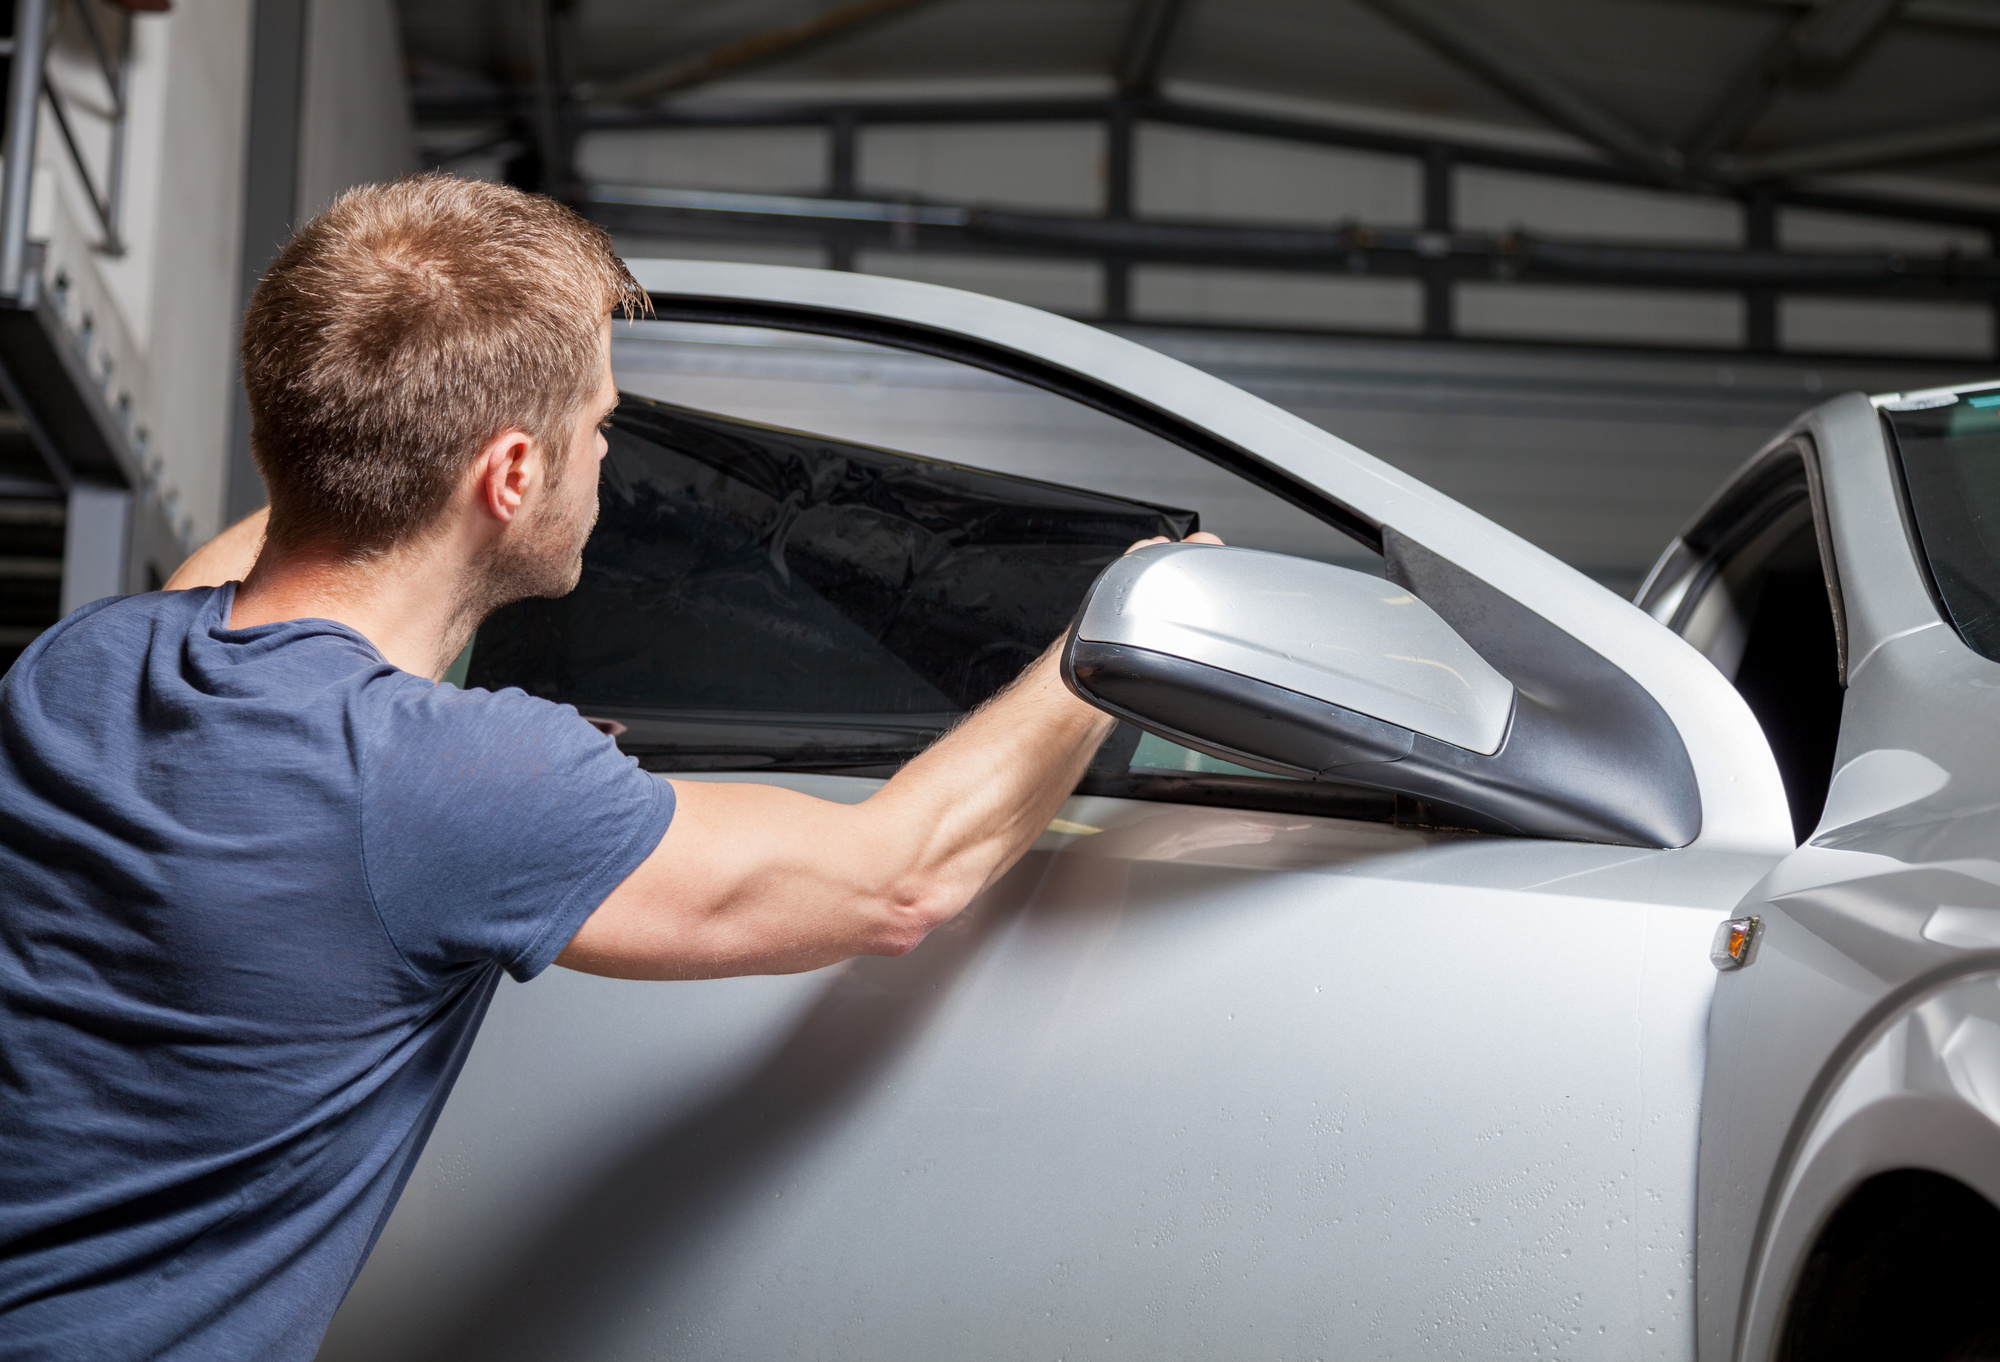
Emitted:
pixel 1280 664
pixel 1303 669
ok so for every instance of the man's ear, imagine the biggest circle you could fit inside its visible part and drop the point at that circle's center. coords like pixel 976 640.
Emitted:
pixel 504 471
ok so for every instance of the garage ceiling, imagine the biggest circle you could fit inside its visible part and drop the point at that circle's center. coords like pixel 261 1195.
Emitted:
pixel 1730 90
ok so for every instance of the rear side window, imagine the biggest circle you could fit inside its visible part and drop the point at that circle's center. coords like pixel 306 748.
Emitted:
pixel 1950 455
pixel 1748 585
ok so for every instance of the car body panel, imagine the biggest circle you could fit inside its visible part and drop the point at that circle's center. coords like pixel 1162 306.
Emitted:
pixel 1856 970
pixel 1199 1079
pixel 1188 1081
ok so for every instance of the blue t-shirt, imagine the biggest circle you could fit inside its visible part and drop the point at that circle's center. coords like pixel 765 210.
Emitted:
pixel 256 890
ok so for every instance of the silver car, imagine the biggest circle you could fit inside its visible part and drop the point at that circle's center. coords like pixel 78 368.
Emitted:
pixel 1446 957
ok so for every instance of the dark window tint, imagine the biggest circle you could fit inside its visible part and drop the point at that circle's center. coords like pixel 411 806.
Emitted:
pixel 762 596
pixel 1951 465
pixel 1757 605
pixel 759 597
pixel 1789 672
pixel 944 409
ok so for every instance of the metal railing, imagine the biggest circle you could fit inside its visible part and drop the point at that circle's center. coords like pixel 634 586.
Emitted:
pixel 28 84
pixel 117 73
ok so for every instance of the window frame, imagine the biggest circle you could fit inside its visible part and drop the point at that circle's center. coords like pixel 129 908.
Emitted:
pixel 1913 532
pixel 1767 488
pixel 1269 794
pixel 1035 373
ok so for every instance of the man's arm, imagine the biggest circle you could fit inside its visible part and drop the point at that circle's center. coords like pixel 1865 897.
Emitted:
pixel 225 558
pixel 753 879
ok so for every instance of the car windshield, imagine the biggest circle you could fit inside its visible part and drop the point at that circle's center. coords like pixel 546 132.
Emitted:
pixel 1950 453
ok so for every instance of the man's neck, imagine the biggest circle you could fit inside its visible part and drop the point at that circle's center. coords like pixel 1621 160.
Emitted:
pixel 408 602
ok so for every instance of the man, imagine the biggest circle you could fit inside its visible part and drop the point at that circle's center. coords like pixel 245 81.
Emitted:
pixel 259 873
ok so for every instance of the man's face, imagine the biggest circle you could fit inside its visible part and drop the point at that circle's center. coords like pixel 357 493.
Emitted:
pixel 544 555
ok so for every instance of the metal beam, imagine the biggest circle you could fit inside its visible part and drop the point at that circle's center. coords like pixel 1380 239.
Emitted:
pixel 270 198
pixel 1439 222
pixel 1304 131
pixel 1818 44
pixel 551 145
pixel 1121 174
pixel 1215 118
pixel 1399 251
pixel 1121 163
pixel 1974 16
pixel 1963 16
pixel 1144 49
pixel 758 49
pixel 843 148
pixel 1875 149
pixel 1760 305
pixel 24 98
pixel 116 72
pixel 1218 119
pixel 1836 32
pixel 1494 59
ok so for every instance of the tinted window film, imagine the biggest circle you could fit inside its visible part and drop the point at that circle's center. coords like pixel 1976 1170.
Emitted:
pixel 894 399
pixel 1950 454
pixel 705 650
pixel 1753 596
pixel 762 596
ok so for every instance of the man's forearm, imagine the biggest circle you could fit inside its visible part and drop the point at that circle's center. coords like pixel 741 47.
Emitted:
pixel 968 808
pixel 756 879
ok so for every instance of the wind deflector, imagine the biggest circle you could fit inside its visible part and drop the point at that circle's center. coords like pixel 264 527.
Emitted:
pixel 763 597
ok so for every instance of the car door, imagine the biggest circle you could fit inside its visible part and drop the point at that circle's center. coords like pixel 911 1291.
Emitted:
pixel 1227 1064
pixel 1850 1154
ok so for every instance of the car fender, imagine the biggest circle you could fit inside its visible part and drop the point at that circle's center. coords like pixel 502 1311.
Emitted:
pixel 1917 1089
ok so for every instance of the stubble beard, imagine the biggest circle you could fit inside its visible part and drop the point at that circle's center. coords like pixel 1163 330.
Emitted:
pixel 543 558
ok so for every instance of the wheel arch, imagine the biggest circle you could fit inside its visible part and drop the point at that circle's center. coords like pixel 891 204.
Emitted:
pixel 1917 1092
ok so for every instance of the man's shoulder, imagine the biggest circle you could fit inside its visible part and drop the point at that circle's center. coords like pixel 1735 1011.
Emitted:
pixel 404 719
pixel 444 703
pixel 124 619
pixel 100 650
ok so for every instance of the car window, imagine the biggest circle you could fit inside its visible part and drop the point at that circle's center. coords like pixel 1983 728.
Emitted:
pixel 794 596
pixel 864 596
pixel 1949 450
pixel 942 409
pixel 1751 594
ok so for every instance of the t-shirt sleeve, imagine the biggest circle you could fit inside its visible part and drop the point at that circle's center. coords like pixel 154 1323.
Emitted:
pixel 494 823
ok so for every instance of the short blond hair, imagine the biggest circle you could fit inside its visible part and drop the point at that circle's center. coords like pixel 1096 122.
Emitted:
pixel 400 331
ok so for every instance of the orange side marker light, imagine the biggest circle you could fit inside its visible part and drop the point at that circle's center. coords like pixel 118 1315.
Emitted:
pixel 1735 942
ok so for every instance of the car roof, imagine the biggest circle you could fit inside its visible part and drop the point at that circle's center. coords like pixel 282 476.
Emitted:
pixel 1929 397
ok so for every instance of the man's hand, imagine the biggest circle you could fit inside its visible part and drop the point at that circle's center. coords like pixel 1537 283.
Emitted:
pixel 225 558
pixel 754 879
pixel 1198 537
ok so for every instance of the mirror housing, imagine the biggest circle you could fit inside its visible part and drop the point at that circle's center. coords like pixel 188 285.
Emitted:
pixel 1304 669
pixel 1371 654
